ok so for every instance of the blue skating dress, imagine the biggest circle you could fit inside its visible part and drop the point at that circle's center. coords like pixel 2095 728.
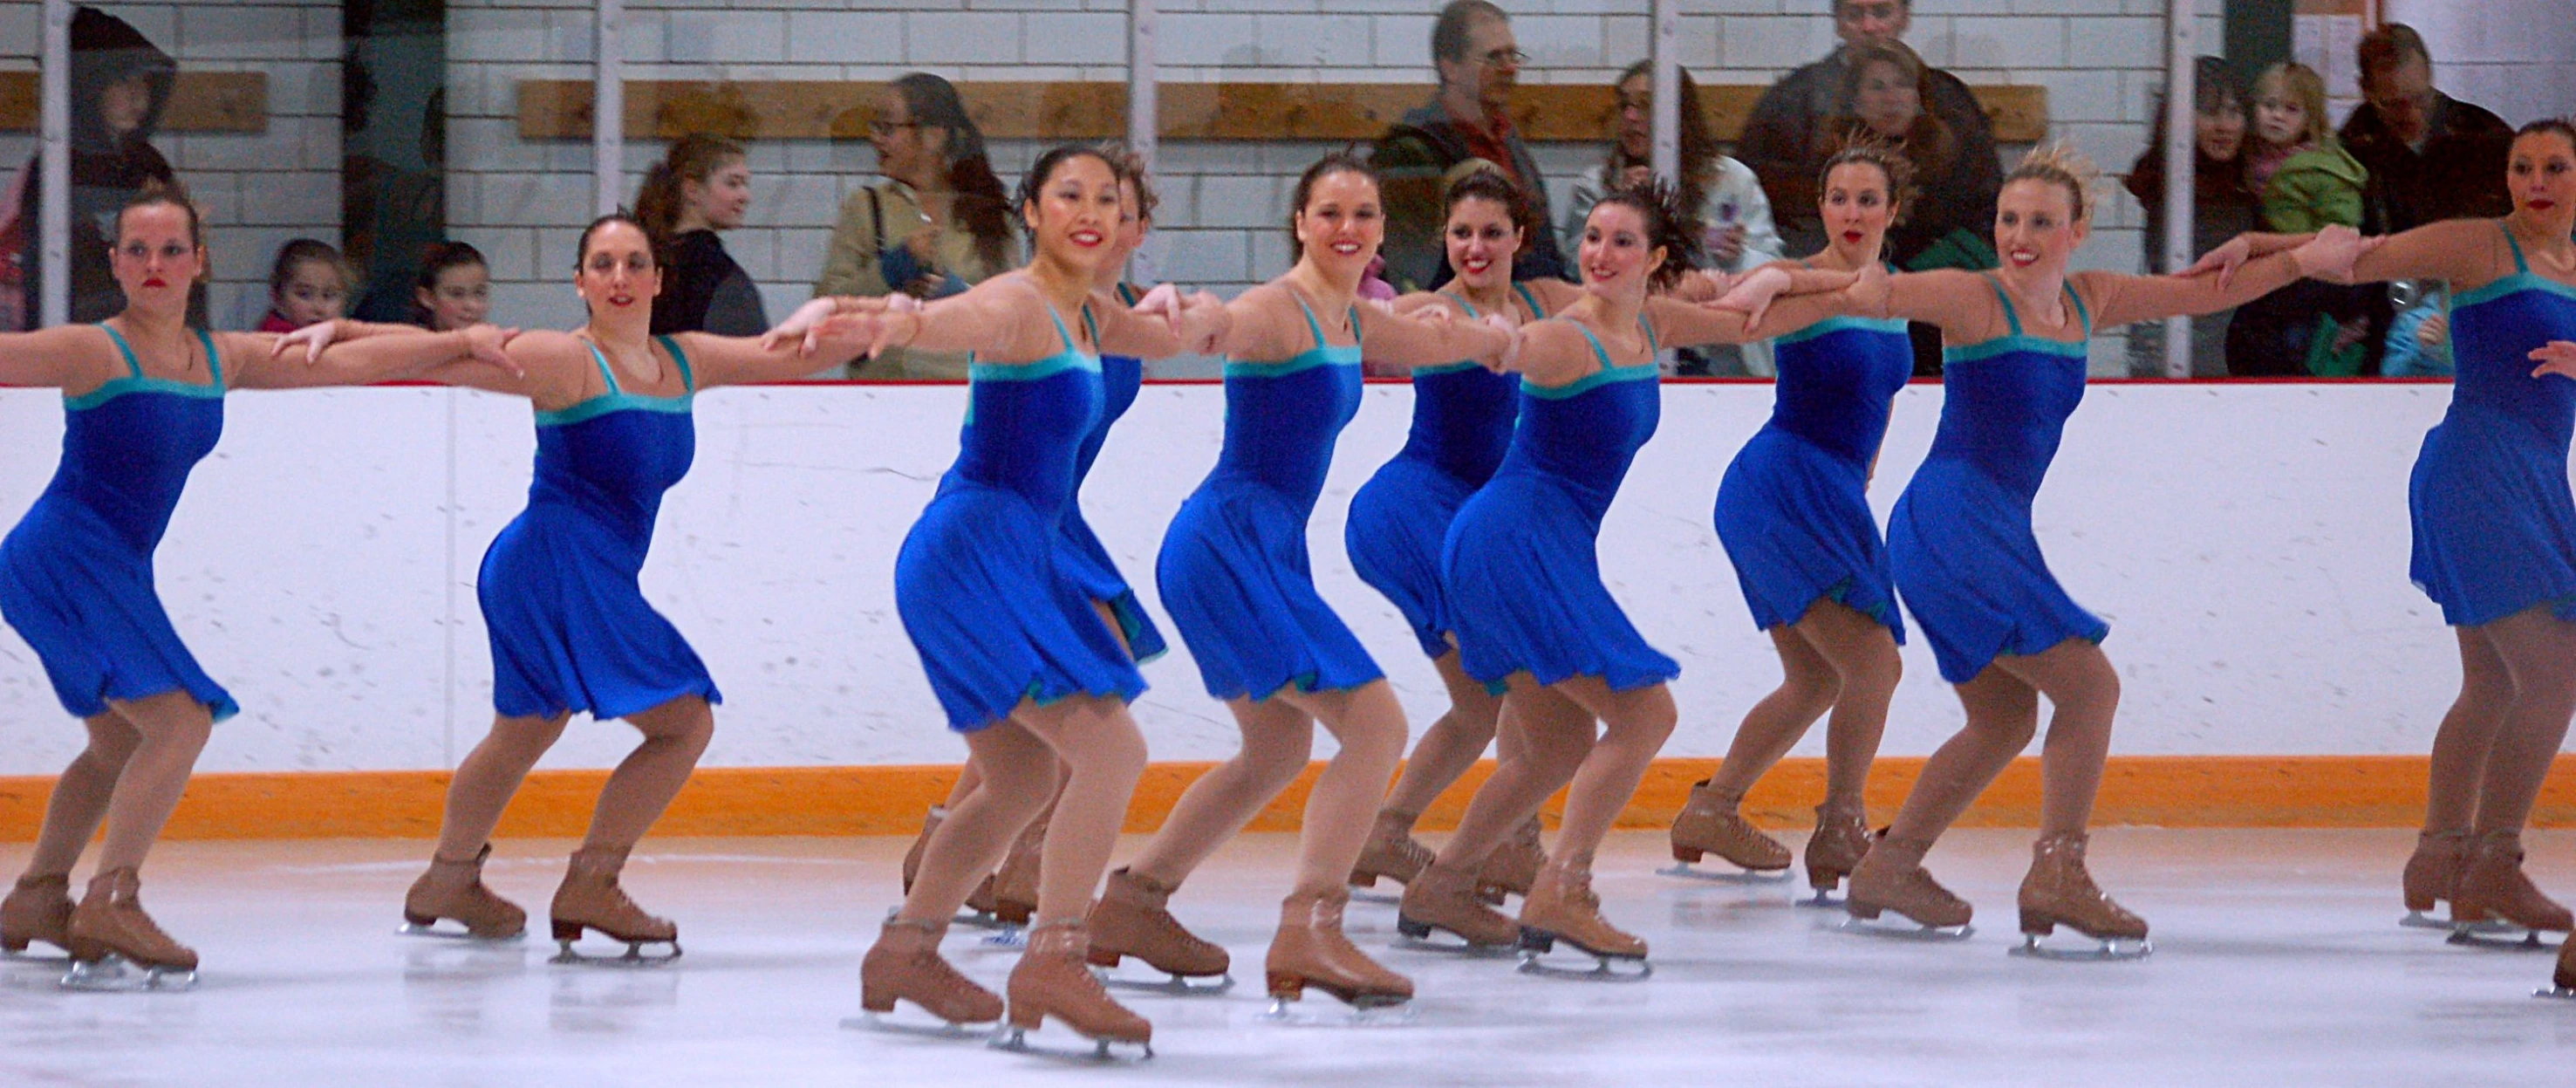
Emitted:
pixel 1234 570
pixel 1462 424
pixel 979 581
pixel 1793 509
pixel 76 574
pixel 2495 527
pixel 1080 553
pixel 571 631
pixel 1521 563
pixel 1965 555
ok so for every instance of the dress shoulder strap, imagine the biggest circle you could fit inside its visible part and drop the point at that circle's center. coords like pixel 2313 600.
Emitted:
pixel 1312 325
pixel 2012 317
pixel 131 363
pixel 600 360
pixel 1597 350
pixel 1654 344
pixel 1352 316
pixel 214 360
pixel 1530 298
pixel 1126 293
pixel 1091 325
pixel 2081 313
pixel 688 377
pixel 2521 267
pixel 1060 332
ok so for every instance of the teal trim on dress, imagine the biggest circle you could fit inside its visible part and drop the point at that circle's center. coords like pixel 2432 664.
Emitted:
pixel 1071 358
pixel 137 383
pixel 1832 325
pixel 1322 354
pixel 2511 285
pixel 1448 368
pixel 1642 372
pixel 2005 345
pixel 618 400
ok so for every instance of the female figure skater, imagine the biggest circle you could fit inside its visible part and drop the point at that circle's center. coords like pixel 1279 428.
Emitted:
pixel 1793 513
pixel 1462 422
pixel 1969 565
pixel 570 629
pixel 1524 583
pixel 143 403
pixel 2495 530
pixel 1234 573
pixel 1010 895
pixel 1016 648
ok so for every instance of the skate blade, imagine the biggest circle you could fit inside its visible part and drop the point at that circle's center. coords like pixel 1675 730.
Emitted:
pixel 1099 1051
pixel 2416 919
pixel 634 958
pixel 2497 936
pixel 1378 898
pixel 1754 877
pixel 29 954
pixel 114 974
pixel 434 930
pixel 2561 993
pixel 2106 950
pixel 884 1023
pixel 1296 1014
pixel 1603 969
pixel 1168 985
pixel 1824 899
pixel 1906 929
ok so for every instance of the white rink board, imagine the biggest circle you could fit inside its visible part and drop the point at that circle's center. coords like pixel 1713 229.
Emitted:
pixel 2248 543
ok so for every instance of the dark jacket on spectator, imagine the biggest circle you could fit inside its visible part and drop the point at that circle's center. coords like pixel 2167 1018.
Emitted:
pixel 2458 175
pixel 2224 207
pixel 107 170
pixel 1413 160
pixel 1785 142
pixel 707 292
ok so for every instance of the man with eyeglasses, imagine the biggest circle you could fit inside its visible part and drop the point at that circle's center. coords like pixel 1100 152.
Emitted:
pixel 1784 139
pixel 1466 126
pixel 2431 157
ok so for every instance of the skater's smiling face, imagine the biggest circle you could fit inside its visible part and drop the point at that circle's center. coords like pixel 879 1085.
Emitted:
pixel 1340 224
pixel 1857 208
pixel 618 277
pixel 159 255
pixel 1618 255
pixel 1073 213
pixel 1482 240
pixel 2036 227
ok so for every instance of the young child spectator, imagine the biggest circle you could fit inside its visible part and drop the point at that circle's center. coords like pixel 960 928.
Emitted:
pixel 2309 182
pixel 455 288
pixel 308 285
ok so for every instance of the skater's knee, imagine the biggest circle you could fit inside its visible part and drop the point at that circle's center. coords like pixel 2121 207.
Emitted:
pixel 529 737
pixel 2012 729
pixel 1104 744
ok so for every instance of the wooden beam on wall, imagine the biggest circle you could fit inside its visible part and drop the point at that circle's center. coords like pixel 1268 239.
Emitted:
pixel 210 102
pixel 841 109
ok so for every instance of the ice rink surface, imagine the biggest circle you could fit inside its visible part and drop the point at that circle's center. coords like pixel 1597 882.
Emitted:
pixel 2278 963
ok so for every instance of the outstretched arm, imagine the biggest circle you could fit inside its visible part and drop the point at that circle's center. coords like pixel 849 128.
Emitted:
pixel 739 360
pixel 2459 251
pixel 252 361
pixel 50 358
pixel 1162 324
pixel 1402 341
pixel 2122 299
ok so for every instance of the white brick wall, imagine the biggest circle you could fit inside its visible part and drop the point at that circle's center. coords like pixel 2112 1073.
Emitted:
pixel 258 189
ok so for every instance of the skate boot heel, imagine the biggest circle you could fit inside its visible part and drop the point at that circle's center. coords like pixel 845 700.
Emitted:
pixel 567 932
pixel 2036 924
pixel 1688 855
pixel 1286 987
pixel 1410 928
pixel 1103 957
pixel 1537 940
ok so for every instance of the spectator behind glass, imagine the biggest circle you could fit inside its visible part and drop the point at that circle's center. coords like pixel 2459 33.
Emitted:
pixel 2224 206
pixel 1786 139
pixel 1951 221
pixel 308 284
pixel 2431 157
pixel 120 87
pixel 1465 127
pixel 701 186
pixel 455 288
pixel 1737 217
pixel 938 224
pixel 2308 183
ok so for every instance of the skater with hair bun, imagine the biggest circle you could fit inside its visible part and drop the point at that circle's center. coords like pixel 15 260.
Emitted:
pixel 570 629
pixel 1534 621
pixel 1235 575
pixel 1968 562
pixel 2495 529
pixel 142 404
pixel 1793 514
pixel 1462 422
pixel 1009 630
